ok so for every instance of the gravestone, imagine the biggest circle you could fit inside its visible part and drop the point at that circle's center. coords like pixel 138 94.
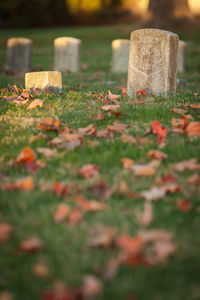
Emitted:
pixel 181 56
pixel 120 56
pixel 67 54
pixel 152 62
pixel 43 80
pixel 18 54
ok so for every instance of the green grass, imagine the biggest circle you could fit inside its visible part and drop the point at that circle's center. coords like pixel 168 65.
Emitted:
pixel 30 214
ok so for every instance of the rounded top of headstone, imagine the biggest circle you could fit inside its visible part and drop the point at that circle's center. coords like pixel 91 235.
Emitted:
pixel 153 32
pixel 14 41
pixel 118 42
pixel 182 43
pixel 64 40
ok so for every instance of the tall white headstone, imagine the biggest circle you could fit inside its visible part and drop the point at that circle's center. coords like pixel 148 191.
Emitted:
pixel 67 54
pixel 152 62
pixel 120 55
pixel 18 54
pixel 181 56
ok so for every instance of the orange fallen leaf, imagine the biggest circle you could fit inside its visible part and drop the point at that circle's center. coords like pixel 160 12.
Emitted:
pixel 35 103
pixel 130 244
pixel 179 111
pixel 159 131
pixel 30 245
pixel 5 232
pixel 62 212
pixel 90 205
pixel 193 129
pixel 88 171
pixel 112 97
pixel 27 155
pixel 5 295
pixel 127 163
pixel 183 205
pixel 26 184
pixel 75 216
pixel 156 154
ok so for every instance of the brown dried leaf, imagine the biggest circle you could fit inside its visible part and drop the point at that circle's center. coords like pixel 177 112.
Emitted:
pixel 30 245
pixel 35 103
pixel 5 232
pixel 110 107
pixel 101 236
pixel 145 217
pixel 62 212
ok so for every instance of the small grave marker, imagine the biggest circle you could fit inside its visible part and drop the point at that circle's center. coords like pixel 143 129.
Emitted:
pixel 67 54
pixel 18 55
pixel 44 80
pixel 152 62
pixel 120 56
pixel 181 56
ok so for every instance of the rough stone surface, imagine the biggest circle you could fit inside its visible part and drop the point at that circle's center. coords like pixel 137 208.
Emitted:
pixel 152 62
pixel 67 54
pixel 181 56
pixel 43 80
pixel 18 54
pixel 120 56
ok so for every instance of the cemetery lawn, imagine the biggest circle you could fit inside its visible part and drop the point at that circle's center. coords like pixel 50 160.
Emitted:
pixel 65 252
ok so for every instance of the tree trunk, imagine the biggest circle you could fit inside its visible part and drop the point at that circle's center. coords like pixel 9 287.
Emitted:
pixel 168 13
pixel 169 9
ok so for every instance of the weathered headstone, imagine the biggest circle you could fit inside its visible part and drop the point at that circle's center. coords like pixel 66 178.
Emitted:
pixel 18 54
pixel 67 54
pixel 43 80
pixel 152 62
pixel 120 56
pixel 181 56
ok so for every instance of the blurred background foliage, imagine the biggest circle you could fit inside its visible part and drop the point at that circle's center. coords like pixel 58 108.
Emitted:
pixel 26 13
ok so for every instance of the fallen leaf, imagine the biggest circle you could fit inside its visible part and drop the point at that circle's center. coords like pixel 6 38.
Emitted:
pixel 194 179
pixel 30 245
pixel 89 130
pixel 35 103
pixel 128 139
pixel 41 270
pixel 193 129
pixel 99 116
pixel 190 164
pixel 92 287
pixel 101 236
pixel 183 205
pixel 145 217
pixel 27 155
pixel 156 154
pixel 62 212
pixel 47 152
pixel 112 97
pixel 129 244
pixel 49 125
pixel 5 295
pixel 25 184
pixel 90 205
pixel 127 163
pixel 179 111
pixel 155 193
pixel 110 107
pixel 5 232
pixel 117 127
pixel 88 171
pixel 159 131
pixel 62 189
pixel 75 216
